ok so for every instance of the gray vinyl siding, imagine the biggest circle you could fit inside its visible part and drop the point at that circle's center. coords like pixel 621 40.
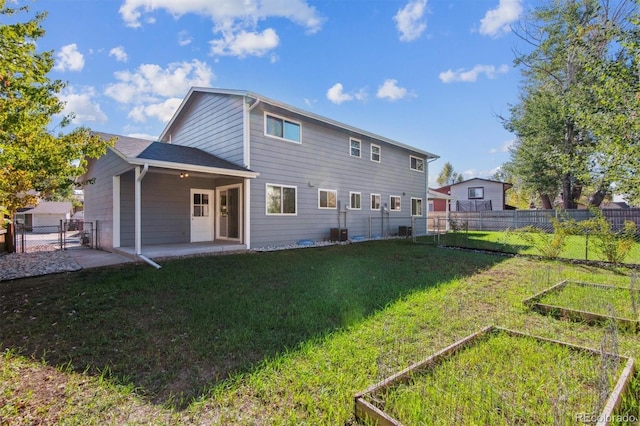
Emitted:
pixel 492 191
pixel 166 204
pixel 98 196
pixel 322 160
pixel 212 123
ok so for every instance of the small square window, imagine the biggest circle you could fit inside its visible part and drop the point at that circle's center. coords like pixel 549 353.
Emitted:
pixel 416 207
pixel 375 201
pixel 375 153
pixel 355 200
pixel 476 193
pixel 327 199
pixel 355 147
pixel 417 164
pixel 394 203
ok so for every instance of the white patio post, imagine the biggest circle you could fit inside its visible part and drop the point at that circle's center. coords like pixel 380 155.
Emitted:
pixel 138 207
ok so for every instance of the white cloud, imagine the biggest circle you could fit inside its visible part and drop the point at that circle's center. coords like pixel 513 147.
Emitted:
pixel 119 53
pixel 184 38
pixel 150 82
pixel 485 174
pixel 409 20
pixel 245 43
pixel 470 76
pixel 163 111
pixel 498 21
pixel 82 105
pixel 68 58
pixel 390 90
pixel 336 94
pixel 504 148
pixel 236 21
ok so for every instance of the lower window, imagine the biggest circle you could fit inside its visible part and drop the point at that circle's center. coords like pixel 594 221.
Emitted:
pixel 281 200
pixel 416 207
pixel 395 203
pixel 327 199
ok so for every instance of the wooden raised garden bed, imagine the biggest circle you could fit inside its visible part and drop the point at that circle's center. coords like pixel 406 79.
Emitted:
pixel 378 405
pixel 550 301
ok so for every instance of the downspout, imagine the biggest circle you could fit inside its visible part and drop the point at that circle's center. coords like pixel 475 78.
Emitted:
pixel 138 215
pixel 247 182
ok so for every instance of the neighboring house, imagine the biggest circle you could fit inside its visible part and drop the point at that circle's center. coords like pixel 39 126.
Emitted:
pixel 476 194
pixel 234 166
pixel 44 216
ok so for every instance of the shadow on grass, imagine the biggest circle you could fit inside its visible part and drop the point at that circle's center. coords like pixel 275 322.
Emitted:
pixel 174 332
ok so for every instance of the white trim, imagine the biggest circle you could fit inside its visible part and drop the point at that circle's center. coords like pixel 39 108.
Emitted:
pixel 137 227
pixel 266 204
pixel 192 168
pixel 115 229
pixel 334 191
pixel 351 206
pixel 411 157
pixel 391 209
pixel 379 153
pixel 379 201
pixel 359 147
pixel 267 113
pixel 247 213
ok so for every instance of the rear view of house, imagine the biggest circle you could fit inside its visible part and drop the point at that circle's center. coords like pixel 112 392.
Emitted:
pixel 235 167
pixel 475 194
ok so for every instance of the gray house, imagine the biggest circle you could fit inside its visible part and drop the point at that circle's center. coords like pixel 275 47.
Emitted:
pixel 236 168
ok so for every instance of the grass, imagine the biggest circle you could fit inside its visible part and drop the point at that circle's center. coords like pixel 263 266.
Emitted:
pixel 577 246
pixel 497 381
pixel 617 302
pixel 284 337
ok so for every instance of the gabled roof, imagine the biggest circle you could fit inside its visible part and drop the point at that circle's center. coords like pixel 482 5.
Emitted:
pixel 49 207
pixel 257 98
pixel 160 154
pixel 506 184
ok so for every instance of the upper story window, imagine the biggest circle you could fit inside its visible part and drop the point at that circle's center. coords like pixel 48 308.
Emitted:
pixel 417 163
pixel 355 199
pixel 394 203
pixel 375 153
pixel 476 193
pixel 327 199
pixel 282 128
pixel 355 147
pixel 281 200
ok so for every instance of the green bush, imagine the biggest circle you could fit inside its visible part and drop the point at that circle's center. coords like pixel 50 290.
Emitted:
pixel 549 244
pixel 611 245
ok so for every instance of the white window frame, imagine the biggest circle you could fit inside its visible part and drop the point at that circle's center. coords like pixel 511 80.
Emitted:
pixel 379 154
pixel 334 192
pixel 266 203
pixel 414 213
pixel 392 205
pixel 379 198
pixel 359 194
pixel 418 159
pixel 352 140
pixel 284 119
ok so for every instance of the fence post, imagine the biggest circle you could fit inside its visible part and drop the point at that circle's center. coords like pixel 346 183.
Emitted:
pixel 586 246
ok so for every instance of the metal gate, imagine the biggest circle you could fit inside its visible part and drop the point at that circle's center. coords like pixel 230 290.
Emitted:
pixel 66 235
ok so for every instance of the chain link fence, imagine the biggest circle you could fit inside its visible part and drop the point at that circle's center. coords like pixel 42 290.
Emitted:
pixel 51 238
pixel 594 238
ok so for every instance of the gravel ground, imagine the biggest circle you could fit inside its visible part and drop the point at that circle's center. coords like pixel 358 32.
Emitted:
pixel 22 265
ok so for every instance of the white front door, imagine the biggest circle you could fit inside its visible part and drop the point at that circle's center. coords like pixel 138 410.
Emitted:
pixel 201 215
pixel 229 212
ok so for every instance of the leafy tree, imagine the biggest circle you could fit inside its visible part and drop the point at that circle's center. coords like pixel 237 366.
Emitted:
pixel 556 148
pixel 449 176
pixel 34 161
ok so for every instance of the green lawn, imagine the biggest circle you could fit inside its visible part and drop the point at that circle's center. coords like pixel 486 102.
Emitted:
pixel 285 337
pixel 577 246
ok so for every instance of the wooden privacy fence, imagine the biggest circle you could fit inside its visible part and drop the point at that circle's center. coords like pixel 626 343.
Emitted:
pixel 514 219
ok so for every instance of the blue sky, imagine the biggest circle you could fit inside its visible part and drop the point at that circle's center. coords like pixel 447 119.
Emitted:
pixel 434 74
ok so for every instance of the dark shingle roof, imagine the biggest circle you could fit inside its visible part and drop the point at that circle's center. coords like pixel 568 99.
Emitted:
pixel 162 151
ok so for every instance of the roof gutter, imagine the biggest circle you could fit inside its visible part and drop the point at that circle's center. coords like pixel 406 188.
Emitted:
pixel 191 167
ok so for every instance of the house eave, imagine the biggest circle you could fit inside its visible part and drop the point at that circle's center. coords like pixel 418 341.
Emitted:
pixel 193 168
